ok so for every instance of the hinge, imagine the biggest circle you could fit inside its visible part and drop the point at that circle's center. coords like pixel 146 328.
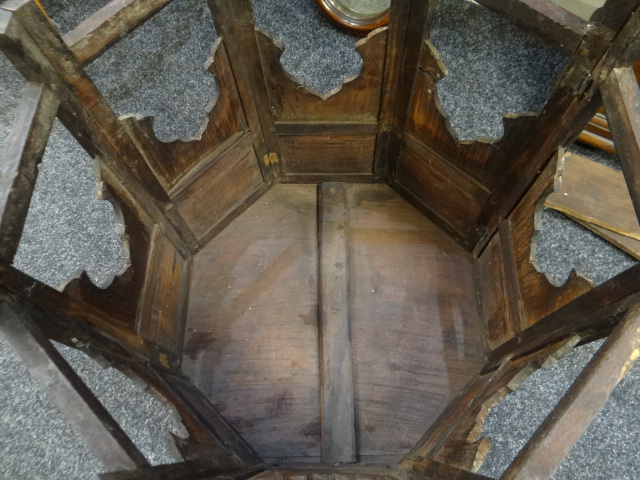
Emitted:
pixel 270 159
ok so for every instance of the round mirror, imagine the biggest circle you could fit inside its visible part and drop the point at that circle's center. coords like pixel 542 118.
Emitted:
pixel 357 16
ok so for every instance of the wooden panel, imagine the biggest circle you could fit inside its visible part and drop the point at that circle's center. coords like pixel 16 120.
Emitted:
pixel 328 154
pixel 109 25
pixel 555 25
pixel 494 297
pixel 76 402
pixel 252 342
pixel 553 440
pixel 427 121
pixel 440 188
pixel 357 100
pixel 19 167
pixel 172 161
pixel 540 296
pixel 162 310
pixel 595 193
pixel 338 410
pixel 628 245
pixel 220 189
pixel 621 96
pixel 416 331
pixel 121 299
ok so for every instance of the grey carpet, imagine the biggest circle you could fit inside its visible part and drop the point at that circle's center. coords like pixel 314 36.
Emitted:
pixel 479 50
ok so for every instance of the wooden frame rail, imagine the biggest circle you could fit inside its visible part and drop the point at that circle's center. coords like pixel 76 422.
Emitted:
pixel 553 440
pixel 106 27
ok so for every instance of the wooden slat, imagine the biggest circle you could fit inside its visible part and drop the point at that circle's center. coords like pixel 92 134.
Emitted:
pixel 314 128
pixel 560 28
pixel 590 311
pixel 174 471
pixel 19 163
pixel 553 440
pixel 78 404
pixel 434 470
pixel 594 193
pixel 338 412
pixel 109 25
pixel 621 97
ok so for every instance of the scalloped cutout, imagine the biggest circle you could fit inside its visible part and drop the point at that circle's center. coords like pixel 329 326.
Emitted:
pixel 318 53
pixel 489 77
pixel 67 228
pixel 154 74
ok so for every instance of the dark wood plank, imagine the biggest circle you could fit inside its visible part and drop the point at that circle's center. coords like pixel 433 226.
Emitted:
pixel 493 294
pixel 512 284
pixel 20 158
pixel 317 178
pixel 328 154
pixel 184 470
pixel 540 295
pixel 81 408
pixel 338 409
pixel 235 23
pixel 411 297
pixel 555 25
pixel 163 305
pixel 596 310
pixel 621 97
pixel 595 193
pixel 451 196
pixel 252 325
pixel 553 440
pixel 357 100
pixel 106 27
pixel 315 128
pixel 221 188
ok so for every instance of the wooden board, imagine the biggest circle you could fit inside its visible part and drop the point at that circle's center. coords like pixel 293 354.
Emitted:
pixel 223 187
pixel 416 332
pixel 596 194
pixel 252 331
pixel 162 310
pixel 628 245
pixel 328 154
pixel 448 194
pixel 357 100
pixel 338 410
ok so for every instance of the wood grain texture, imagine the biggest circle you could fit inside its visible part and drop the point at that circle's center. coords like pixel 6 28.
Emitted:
pixel 163 304
pixel 252 331
pixel 562 428
pixel 450 195
pixel 494 297
pixel 338 409
pixel 20 158
pixel 595 193
pixel 175 160
pixel 65 388
pixel 540 295
pixel 628 245
pixel 482 159
pixel 220 189
pixel 553 24
pixel 357 100
pixel 328 154
pixel 621 97
pixel 416 332
pixel 117 19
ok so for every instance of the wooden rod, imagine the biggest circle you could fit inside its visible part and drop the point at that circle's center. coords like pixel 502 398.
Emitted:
pixel 556 26
pixel 576 410
pixel 78 404
pixel 621 97
pixel 19 166
pixel 338 410
pixel 106 27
